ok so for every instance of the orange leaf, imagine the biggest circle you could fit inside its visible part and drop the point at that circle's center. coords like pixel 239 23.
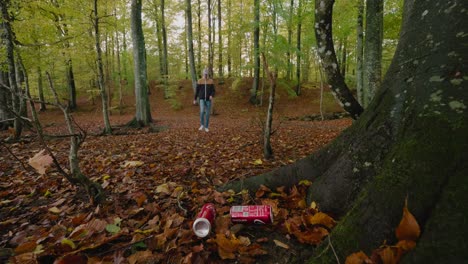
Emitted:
pixel 406 245
pixel 321 219
pixel 227 247
pixel 139 198
pixel 262 190
pixel 26 247
pixel 389 255
pixel 357 258
pixel 408 229
pixel 313 237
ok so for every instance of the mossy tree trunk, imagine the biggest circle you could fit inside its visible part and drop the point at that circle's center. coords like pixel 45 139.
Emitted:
pixel 410 142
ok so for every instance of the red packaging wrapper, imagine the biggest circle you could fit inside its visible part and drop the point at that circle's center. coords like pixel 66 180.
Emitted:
pixel 202 225
pixel 252 214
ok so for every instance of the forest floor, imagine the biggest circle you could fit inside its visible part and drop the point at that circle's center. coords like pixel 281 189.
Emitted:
pixel 156 182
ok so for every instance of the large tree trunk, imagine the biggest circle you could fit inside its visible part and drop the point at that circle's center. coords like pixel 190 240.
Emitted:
pixel 143 113
pixel 373 40
pixel 410 142
pixel 220 46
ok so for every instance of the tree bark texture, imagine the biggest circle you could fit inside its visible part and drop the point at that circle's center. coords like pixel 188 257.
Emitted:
pixel 360 53
pixel 220 46
pixel 256 82
pixel 298 52
pixel 143 113
pixel 102 88
pixel 7 36
pixel 326 51
pixel 409 143
pixel 267 150
pixel 193 74
pixel 373 49
pixel 165 58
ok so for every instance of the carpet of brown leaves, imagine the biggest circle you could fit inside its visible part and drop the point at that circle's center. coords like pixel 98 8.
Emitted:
pixel 157 181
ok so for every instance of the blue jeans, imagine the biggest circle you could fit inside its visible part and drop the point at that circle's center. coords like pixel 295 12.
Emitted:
pixel 205 107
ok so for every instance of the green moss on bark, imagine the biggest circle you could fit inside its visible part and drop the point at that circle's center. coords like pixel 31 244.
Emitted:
pixel 422 165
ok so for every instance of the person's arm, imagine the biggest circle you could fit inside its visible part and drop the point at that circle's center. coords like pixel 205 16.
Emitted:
pixel 196 94
pixel 213 92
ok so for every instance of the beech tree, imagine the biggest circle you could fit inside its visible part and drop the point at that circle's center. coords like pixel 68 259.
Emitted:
pixel 143 112
pixel 372 71
pixel 410 143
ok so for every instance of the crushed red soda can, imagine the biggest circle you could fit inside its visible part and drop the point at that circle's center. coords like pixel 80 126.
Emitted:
pixel 252 214
pixel 202 225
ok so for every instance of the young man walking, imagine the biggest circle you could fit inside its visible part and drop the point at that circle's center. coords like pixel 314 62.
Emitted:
pixel 205 92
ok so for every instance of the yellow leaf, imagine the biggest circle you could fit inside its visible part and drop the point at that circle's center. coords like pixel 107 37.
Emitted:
pixel 321 219
pixel 105 177
pixel 47 193
pixel 258 162
pixel 305 182
pixel 69 242
pixel 408 229
pixel 55 210
pixel 313 205
pixel 40 162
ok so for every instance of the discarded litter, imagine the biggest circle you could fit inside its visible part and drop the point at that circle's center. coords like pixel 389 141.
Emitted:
pixel 202 225
pixel 251 214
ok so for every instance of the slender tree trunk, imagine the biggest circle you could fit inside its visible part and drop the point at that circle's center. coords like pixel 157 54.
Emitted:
pixel 40 86
pixel 256 82
pixel 267 150
pixel 229 36
pixel 7 36
pixel 193 73
pixel 102 88
pixel 119 74
pixel 343 58
pixel 299 48
pixel 210 39
pixel 157 19
pixel 199 42
pixel 220 46
pixel 290 32
pixel 75 177
pixel 373 49
pixel 326 50
pixel 165 58
pixel 360 53
pixel 143 113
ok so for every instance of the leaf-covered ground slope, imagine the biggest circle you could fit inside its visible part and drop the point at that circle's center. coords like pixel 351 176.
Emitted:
pixel 157 181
